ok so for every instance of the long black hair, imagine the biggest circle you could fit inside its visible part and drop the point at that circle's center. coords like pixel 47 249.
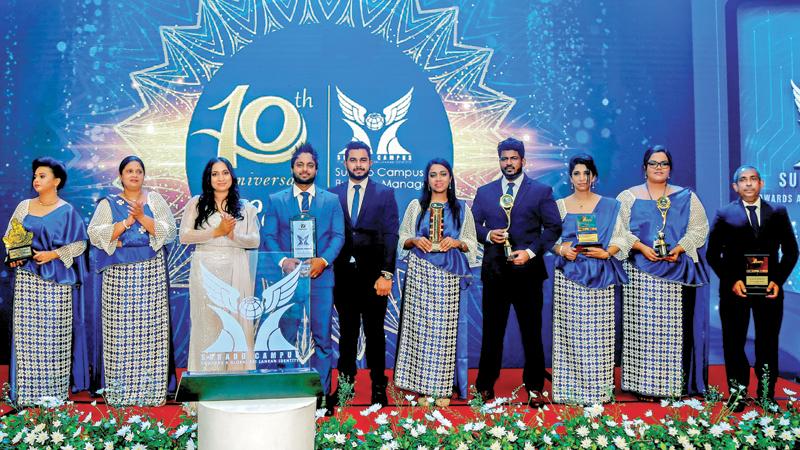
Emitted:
pixel 425 198
pixel 206 205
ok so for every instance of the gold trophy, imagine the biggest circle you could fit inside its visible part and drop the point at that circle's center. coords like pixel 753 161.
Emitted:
pixel 659 244
pixel 18 242
pixel 437 225
pixel 507 202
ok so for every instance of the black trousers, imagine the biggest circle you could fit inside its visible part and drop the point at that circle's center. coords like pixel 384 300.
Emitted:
pixel 357 303
pixel 499 294
pixel 734 314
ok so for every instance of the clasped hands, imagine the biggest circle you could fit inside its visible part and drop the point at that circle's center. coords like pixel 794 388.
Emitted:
pixel 571 253
pixel 316 266
pixel 651 254
pixel 740 290
pixel 425 244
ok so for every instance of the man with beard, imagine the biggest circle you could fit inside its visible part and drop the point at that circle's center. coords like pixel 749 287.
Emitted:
pixel 365 267
pixel 305 197
pixel 750 233
pixel 515 279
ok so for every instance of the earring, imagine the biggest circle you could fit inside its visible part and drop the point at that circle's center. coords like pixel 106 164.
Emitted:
pixel 571 187
pixel 593 185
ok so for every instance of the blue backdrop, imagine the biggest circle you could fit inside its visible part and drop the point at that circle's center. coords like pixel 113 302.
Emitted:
pixel 176 82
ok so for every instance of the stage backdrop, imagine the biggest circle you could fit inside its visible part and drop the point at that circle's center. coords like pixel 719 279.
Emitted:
pixel 177 82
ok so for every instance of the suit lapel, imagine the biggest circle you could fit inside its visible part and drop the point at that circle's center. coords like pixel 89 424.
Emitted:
pixel 766 214
pixel 523 189
pixel 744 215
pixel 342 193
pixel 367 201
pixel 291 202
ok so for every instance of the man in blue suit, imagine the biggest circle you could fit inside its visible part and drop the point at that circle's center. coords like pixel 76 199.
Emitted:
pixel 365 267
pixel 304 196
pixel 515 280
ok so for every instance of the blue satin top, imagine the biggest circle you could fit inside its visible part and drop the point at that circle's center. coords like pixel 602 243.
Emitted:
pixel 453 260
pixel 592 272
pixel 135 241
pixel 60 227
pixel 645 222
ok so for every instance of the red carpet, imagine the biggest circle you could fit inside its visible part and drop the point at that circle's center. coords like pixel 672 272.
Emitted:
pixel 458 411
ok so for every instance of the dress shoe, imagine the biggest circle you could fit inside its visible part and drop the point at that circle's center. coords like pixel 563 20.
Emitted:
pixel 379 395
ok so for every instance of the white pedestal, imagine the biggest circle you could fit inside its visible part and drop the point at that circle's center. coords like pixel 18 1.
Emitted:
pixel 284 424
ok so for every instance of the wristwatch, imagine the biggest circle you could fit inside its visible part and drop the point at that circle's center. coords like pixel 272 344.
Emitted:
pixel 387 275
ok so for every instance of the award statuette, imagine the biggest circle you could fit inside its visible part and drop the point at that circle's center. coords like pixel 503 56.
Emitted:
pixel 587 232
pixel 304 236
pixel 756 277
pixel 507 202
pixel 437 225
pixel 18 242
pixel 659 244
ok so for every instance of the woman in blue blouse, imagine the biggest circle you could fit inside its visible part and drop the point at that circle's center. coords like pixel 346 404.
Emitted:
pixel 129 231
pixel 583 292
pixel 426 350
pixel 663 351
pixel 45 290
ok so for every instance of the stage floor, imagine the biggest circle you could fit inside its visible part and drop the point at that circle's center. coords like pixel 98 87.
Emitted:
pixel 509 380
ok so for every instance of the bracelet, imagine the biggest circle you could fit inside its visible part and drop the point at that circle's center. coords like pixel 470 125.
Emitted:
pixel 125 224
pixel 561 250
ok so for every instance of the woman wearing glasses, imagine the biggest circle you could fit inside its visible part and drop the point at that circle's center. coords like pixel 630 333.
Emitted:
pixel 664 226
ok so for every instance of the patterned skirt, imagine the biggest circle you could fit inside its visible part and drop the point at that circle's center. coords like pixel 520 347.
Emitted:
pixel 652 340
pixel 42 338
pixel 426 352
pixel 136 333
pixel 583 342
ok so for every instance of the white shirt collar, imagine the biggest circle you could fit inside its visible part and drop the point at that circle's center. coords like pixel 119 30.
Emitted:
pixel 362 183
pixel 296 191
pixel 516 181
pixel 757 203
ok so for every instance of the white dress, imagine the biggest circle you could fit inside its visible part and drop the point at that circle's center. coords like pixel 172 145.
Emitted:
pixel 212 348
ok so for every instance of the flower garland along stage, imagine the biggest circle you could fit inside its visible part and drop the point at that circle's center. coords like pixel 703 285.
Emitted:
pixel 500 424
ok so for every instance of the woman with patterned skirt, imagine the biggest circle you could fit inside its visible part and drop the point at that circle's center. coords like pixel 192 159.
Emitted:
pixel 583 291
pixel 426 352
pixel 129 231
pixel 44 350
pixel 222 227
pixel 664 351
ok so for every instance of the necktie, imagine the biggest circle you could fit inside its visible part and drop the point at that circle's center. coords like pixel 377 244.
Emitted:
pixel 306 204
pixel 510 189
pixel 753 217
pixel 354 206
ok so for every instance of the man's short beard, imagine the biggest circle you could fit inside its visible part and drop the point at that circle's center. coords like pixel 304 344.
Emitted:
pixel 356 177
pixel 299 181
pixel 515 175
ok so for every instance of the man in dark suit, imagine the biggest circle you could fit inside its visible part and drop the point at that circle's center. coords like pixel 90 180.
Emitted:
pixel 304 196
pixel 365 267
pixel 516 280
pixel 751 226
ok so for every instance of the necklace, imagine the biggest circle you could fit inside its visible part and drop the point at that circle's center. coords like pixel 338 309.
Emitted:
pixel 580 205
pixel 647 186
pixel 39 200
